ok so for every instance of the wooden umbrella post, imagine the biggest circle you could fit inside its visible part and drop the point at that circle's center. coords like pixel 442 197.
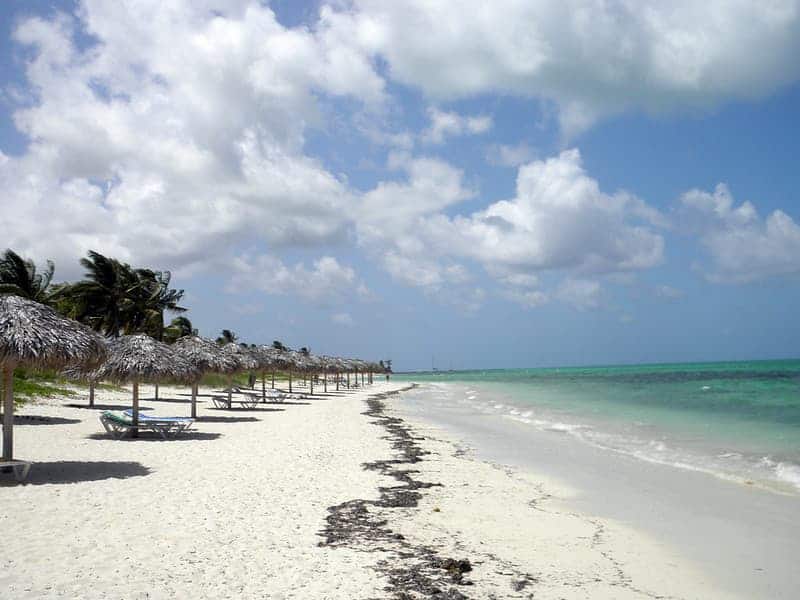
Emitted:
pixel 8 412
pixel 135 432
pixel 194 400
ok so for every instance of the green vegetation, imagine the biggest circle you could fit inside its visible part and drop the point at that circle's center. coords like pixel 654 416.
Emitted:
pixel 29 385
pixel 40 385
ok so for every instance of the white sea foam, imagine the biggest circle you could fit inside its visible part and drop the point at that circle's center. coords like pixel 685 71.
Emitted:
pixel 789 473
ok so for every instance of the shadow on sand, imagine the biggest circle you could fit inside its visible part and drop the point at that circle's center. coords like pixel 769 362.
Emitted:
pixel 206 419
pixel 174 400
pixel 103 406
pixel 72 471
pixel 42 420
pixel 246 409
pixel 151 436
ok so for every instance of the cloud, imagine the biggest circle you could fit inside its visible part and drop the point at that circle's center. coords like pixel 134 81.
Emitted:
pixel 742 246
pixel 326 283
pixel 559 221
pixel 178 131
pixel 668 292
pixel 509 156
pixel 451 124
pixel 590 59
pixel 582 294
pixel 343 319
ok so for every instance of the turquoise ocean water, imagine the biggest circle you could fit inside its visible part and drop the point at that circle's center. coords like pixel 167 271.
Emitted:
pixel 738 420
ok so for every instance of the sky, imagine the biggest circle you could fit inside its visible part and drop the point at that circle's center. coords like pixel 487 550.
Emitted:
pixel 509 184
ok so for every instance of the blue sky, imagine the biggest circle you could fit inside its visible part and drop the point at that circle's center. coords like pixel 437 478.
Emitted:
pixel 552 185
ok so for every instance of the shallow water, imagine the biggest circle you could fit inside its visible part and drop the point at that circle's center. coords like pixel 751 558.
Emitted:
pixel 738 421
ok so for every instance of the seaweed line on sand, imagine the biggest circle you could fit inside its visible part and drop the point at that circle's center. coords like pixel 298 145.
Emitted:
pixel 413 570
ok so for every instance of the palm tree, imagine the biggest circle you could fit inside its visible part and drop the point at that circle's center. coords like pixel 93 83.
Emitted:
pixel 19 277
pixel 107 298
pixel 227 337
pixel 179 327
pixel 156 298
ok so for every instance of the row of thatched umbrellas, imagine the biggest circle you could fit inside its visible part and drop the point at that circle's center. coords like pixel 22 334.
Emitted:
pixel 35 336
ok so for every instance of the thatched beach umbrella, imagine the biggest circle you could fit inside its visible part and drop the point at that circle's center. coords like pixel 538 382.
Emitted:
pixel 35 336
pixel 207 357
pixel 326 363
pixel 311 367
pixel 285 361
pixel 267 359
pixel 141 359
pixel 242 358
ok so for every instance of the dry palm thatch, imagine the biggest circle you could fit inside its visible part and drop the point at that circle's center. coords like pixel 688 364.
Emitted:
pixel 206 356
pixel 141 359
pixel 33 335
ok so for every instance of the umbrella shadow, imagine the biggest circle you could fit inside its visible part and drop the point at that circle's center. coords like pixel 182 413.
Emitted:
pixel 73 471
pixel 227 419
pixel 102 406
pixel 42 420
pixel 175 400
pixel 152 436
pixel 247 409
pixel 286 403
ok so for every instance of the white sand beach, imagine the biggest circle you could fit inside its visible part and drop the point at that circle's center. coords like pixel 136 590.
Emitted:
pixel 236 510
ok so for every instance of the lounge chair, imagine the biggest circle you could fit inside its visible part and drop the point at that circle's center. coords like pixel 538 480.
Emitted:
pixel 224 402
pixel 119 425
pixel 19 467
pixel 180 424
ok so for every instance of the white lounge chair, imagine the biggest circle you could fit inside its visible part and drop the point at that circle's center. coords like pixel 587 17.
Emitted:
pixel 19 467
pixel 224 402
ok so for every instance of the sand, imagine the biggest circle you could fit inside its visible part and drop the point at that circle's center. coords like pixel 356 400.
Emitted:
pixel 238 509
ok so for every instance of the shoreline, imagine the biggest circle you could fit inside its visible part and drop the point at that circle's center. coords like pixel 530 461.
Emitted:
pixel 338 496
pixel 522 537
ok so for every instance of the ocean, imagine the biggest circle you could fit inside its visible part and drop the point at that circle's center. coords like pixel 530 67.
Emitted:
pixel 736 420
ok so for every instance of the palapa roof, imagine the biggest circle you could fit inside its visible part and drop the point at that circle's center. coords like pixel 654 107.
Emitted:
pixel 34 335
pixel 266 356
pixel 205 355
pixel 244 359
pixel 141 358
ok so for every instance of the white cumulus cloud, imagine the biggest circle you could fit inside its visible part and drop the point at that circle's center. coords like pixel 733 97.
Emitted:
pixel 742 246
pixel 591 59
pixel 450 124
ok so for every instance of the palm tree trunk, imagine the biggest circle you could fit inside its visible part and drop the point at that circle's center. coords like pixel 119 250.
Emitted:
pixel 273 379
pixel 311 379
pixel 348 380
pixel 135 432
pixel 230 391
pixel 155 393
pixel 91 394
pixel 290 382
pixel 325 380
pixel 8 412
pixel 263 387
pixel 338 377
